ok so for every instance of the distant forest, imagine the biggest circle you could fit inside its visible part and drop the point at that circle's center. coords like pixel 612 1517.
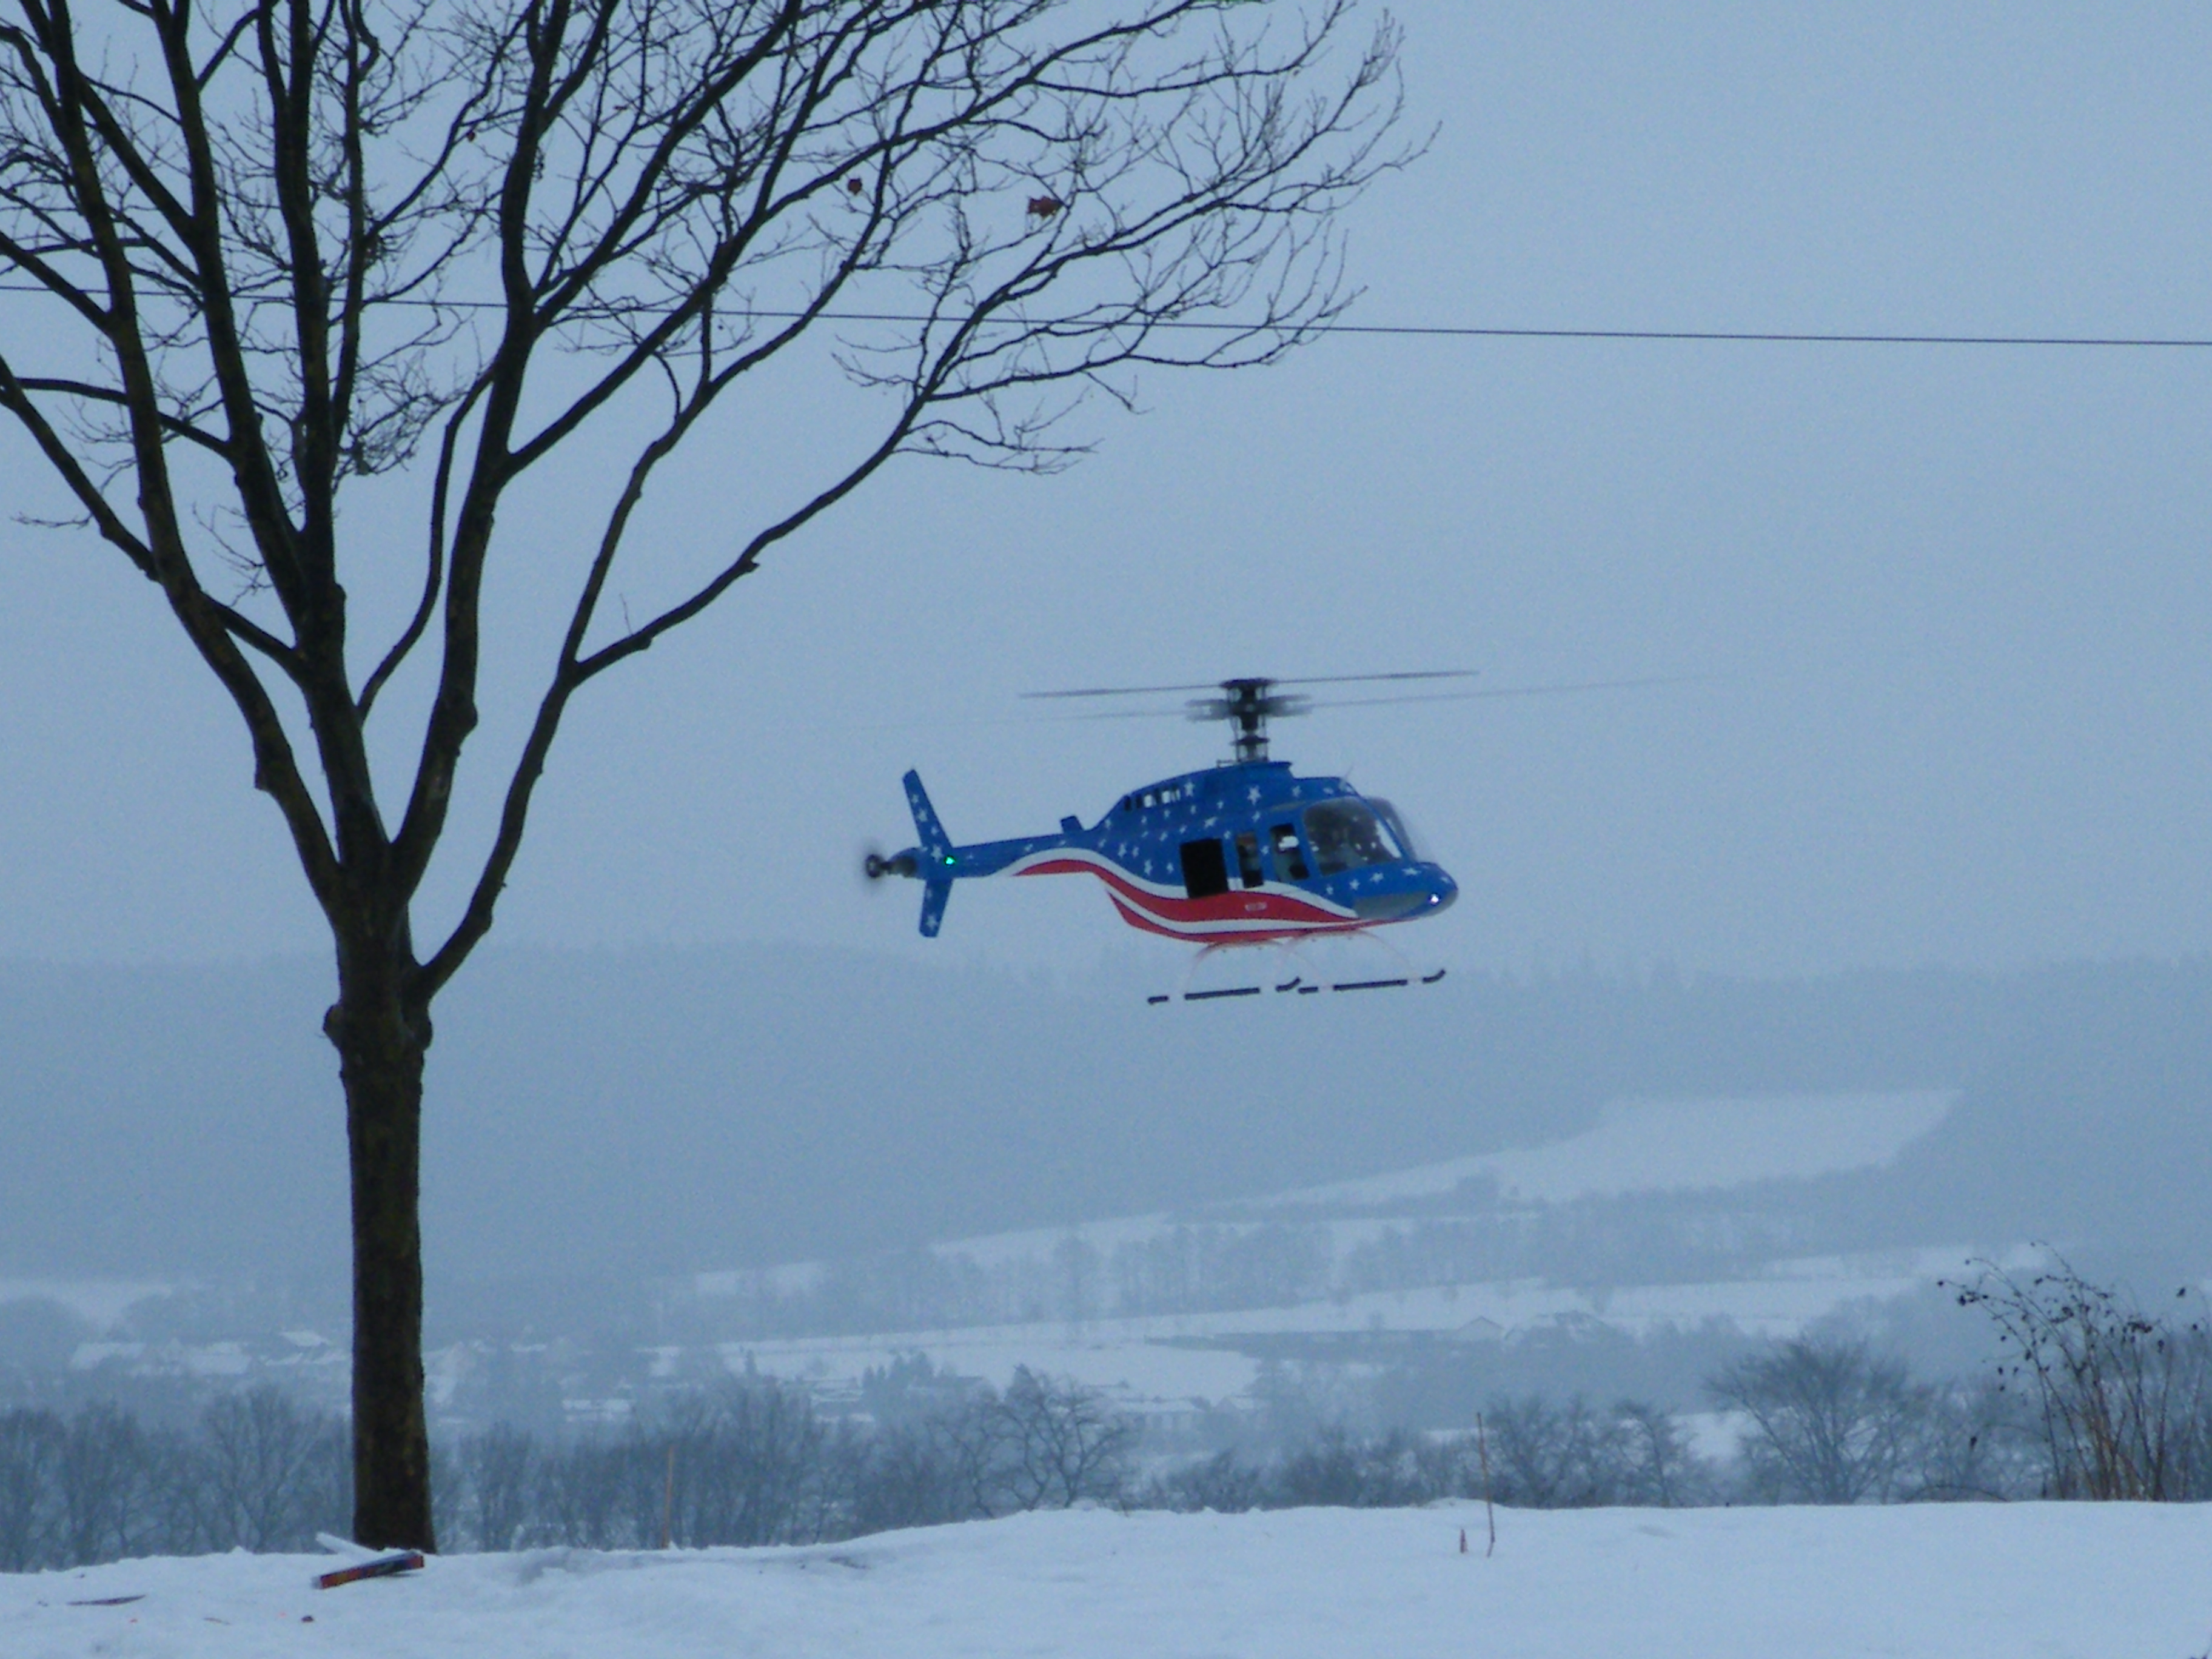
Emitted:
pixel 2093 1397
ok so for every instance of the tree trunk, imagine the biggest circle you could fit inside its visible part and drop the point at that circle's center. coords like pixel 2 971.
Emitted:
pixel 381 1040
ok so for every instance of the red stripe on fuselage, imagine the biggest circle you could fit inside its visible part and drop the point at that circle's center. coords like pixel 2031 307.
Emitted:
pixel 1263 917
pixel 1138 919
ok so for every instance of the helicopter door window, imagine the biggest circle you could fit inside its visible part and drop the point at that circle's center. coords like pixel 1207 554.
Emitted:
pixel 1248 859
pixel 1345 835
pixel 1290 860
pixel 1205 871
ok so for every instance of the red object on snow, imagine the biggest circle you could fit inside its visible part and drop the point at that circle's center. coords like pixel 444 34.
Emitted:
pixel 382 1567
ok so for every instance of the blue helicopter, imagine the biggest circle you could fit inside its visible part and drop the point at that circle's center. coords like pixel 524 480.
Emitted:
pixel 1245 852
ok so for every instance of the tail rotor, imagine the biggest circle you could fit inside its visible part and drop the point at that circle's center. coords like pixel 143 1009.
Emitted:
pixel 875 864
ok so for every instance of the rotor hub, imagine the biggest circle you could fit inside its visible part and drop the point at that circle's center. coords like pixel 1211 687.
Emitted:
pixel 1248 705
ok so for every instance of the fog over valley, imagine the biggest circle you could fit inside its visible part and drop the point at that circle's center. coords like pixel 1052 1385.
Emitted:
pixel 626 1145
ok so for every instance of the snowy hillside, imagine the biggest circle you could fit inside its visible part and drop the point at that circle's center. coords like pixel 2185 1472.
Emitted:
pixel 1677 1146
pixel 1948 1582
pixel 1358 1269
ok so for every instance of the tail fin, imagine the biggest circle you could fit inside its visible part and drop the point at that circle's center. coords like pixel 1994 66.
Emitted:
pixel 936 855
pixel 931 834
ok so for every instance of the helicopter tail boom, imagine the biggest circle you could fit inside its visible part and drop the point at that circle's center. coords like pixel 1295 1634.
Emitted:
pixel 937 863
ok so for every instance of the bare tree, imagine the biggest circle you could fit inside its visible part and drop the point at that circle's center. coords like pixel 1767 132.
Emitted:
pixel 31 1441
pixel 1222 1483
pixel 275 247
pixel 1662 1468
pixel 748 1459
pixel 271 1474
pixel 578 1494
pixel 1064 1443
pixel 498 1468
pixel 1567 1456
pixel 907 1477
pixel 103 1477
pixel 1830 1422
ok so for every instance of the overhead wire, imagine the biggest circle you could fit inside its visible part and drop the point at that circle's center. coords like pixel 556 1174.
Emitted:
pixel 1471 330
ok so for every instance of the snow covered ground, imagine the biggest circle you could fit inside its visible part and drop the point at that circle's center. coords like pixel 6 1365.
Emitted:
pixel 1950 1582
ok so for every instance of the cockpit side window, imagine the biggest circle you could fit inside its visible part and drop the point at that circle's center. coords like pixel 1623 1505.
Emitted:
pixel 1346 835
pixel 1290 857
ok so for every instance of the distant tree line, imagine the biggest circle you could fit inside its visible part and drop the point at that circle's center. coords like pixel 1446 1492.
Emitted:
pixel 751 1461
pixel 2094 1399
pixel 257 1472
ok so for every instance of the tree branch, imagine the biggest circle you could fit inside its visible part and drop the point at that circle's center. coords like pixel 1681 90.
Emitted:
pixel 435 563
pixel 171 423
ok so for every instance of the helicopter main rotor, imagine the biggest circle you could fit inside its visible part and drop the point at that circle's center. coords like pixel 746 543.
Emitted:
pixel 1249 704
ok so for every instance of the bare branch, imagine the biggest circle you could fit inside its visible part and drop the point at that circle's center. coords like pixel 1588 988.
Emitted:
pixel 183 428
pixel 434 565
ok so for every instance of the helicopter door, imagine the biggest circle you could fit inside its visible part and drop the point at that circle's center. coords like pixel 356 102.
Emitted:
pixel 1248 859
pixel 1290 857
pixel 1204 871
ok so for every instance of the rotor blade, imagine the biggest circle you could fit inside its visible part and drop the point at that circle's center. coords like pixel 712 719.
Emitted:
pixel 1124 713
pixel 1521 691
pixel 1353 679
pixel 1124 692
pixel 1304 679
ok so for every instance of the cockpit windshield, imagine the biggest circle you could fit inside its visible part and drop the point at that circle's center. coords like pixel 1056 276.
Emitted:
pixel 1395 822
pixel 1345 835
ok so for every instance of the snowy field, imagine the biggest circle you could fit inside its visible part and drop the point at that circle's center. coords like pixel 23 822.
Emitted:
pixel 1948 1582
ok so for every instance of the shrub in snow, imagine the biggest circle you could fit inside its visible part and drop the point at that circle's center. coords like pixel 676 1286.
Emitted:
pixel 2122 1400
pixel 1541 1455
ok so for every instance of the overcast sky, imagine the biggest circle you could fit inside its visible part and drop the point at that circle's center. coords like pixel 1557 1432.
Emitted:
pixel 1954 602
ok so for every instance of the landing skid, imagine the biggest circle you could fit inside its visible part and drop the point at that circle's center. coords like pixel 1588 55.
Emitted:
pixel 1304 981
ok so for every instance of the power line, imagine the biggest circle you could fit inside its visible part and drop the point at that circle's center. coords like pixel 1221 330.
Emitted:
pixel 1752 337
pixel 1474 331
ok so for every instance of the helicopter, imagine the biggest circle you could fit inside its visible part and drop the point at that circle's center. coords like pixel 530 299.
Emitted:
pixel 1244 852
